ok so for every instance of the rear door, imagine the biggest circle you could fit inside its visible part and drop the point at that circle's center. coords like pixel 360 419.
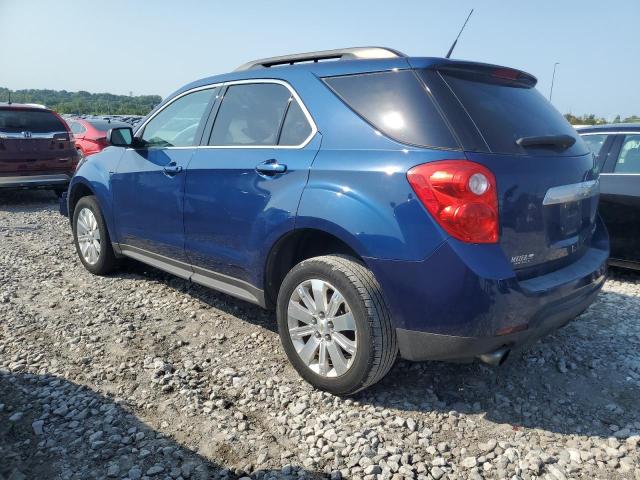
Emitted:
pixel 148 187
pixel 34 141
pixel 620 197
pixel 242 191
pixel 546 176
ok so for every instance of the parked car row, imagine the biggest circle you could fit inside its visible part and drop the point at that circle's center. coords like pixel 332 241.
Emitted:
pixel 380 204
pixel 617 151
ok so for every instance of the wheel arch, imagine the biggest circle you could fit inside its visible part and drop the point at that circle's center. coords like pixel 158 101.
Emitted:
pixel 298 245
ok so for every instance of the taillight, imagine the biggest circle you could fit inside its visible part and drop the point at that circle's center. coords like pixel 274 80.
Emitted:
pixel 461 196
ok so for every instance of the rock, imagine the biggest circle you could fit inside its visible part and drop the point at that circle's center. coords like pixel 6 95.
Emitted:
pixel 330 435
pixel 155 470
pixel 38 427
pixel 372 470
pixel 488 446
pixel 16 416
pixel 113 471
pixel 436 473
pixel 135 473
pixel 469 462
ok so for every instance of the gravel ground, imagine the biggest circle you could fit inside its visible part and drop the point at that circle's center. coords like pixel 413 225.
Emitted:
pixel 143 375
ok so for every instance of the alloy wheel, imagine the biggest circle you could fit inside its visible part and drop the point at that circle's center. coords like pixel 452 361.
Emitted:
pixel 88 234
pixel 322 328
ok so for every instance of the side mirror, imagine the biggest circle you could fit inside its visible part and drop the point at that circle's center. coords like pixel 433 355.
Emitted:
pixel 120 137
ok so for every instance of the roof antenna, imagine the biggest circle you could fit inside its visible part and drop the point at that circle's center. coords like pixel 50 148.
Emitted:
pixel 460 33
pixel 9 97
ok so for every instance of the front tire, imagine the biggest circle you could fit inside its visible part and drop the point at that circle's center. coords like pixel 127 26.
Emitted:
pixel 91 237
pixel 334 325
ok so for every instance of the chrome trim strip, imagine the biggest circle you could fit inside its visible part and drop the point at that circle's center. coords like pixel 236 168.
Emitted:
pixel 608 133
pixel 307 114
pixel 32 136
pixel 572 192
pixel 33 179
pixel 210 279
pixel 619 173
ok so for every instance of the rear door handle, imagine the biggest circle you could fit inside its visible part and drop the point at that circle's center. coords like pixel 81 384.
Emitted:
pixel 271 167
pixel 172 169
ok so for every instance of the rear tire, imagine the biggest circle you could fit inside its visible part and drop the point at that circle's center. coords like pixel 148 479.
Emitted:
pixel 91 237
pixel 357 353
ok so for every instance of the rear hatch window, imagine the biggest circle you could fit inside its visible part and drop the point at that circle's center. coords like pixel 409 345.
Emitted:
pixel 396 104
pixel 34 121
pixel 505 107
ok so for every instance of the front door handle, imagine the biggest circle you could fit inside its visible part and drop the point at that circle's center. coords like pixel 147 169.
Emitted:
pixel 271 167
pixel 172 169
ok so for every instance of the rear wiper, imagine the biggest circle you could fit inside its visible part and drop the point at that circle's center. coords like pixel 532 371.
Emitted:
pixel 562 141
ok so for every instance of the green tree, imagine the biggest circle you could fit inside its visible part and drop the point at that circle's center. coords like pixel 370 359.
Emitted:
pixel 84 102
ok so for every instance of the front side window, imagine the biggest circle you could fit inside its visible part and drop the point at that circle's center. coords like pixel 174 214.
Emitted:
pixel 595 142
pixel 250 115
pixel 176 125
pixel 629 158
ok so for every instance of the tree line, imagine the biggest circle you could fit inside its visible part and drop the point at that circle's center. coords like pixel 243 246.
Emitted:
pixel 84 102
pixel 591 119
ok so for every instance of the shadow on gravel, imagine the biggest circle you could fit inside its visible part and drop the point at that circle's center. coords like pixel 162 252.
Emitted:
pixel 52 428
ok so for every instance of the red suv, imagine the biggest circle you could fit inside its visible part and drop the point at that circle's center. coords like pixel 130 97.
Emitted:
pixel 91 134
pixel 36 148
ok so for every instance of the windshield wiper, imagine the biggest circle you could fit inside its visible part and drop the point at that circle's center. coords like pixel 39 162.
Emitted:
pixel 562 141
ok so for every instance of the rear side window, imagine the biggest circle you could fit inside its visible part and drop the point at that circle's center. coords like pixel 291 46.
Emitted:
pixel 296 128
pixel 594 142
pixel 34 121
pixel 505 112
pixel 250 114
pixel 397 104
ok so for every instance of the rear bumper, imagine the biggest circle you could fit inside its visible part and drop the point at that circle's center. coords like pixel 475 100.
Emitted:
pixel 465 300
pixel 418 346
pixel 35 181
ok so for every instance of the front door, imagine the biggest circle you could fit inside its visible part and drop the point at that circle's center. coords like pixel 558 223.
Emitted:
pixel 242 191
pixel 148 187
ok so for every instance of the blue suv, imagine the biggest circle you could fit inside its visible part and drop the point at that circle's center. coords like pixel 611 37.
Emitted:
pixel 381 204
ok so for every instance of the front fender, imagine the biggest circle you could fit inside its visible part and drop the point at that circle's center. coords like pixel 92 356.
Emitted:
pixel 94 174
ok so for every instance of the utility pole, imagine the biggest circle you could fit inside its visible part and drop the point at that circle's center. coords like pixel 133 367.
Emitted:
pixel 553 78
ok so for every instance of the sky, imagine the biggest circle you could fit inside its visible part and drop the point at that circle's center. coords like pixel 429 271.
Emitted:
pixel 154 47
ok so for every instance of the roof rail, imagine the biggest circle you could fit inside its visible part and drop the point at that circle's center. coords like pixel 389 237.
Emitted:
pixel 353 53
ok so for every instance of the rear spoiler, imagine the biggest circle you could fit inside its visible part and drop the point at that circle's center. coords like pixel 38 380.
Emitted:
pixel 482 72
